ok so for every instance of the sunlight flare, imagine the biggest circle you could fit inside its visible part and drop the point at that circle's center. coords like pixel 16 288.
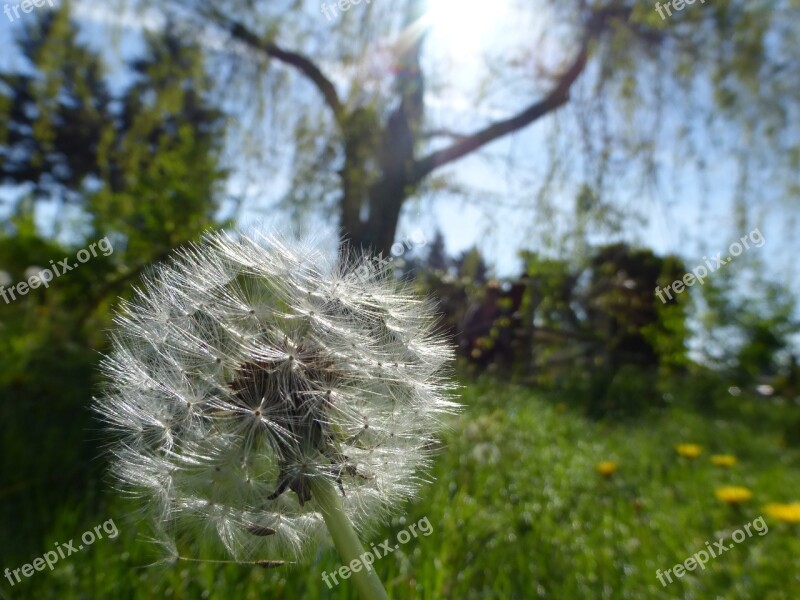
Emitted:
pixel 462 26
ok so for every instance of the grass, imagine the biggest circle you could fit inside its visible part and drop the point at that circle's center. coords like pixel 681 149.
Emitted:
pixel 517 511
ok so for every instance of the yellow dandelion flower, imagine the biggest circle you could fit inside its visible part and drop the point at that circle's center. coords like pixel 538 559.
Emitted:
pixel 606 467
pixel 723 460
pixel 733 494
pixel 790 513
pixel 689 450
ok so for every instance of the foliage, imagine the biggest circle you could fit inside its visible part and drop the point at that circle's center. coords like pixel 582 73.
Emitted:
pixel 351 114
pixel 56 115
pixel 160 172
pixel 594 324
pixel 747 325
pixel 140 168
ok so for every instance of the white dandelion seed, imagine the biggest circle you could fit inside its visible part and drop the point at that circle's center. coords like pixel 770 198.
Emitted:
pixel 250 367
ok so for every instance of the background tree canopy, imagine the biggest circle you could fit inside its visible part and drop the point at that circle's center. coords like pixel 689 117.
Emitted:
pixel 623 100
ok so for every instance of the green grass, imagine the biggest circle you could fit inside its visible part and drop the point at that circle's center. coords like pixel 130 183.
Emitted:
pixel 518 511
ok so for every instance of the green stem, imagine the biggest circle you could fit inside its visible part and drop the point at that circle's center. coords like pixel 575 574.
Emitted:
pixel 345 539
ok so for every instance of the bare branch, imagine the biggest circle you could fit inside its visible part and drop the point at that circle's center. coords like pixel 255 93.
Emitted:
pixel 294 59
pixel 442 132
pixel 559 95
pixel 470 143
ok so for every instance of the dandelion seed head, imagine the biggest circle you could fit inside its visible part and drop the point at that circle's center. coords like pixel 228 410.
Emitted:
pixel 248 365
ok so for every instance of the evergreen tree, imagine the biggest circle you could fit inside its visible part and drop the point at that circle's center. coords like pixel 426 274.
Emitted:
pixel 142 167
pixel 437 254
pixel 54 115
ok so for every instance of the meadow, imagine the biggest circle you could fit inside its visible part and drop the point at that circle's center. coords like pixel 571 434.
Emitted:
pixel 530 500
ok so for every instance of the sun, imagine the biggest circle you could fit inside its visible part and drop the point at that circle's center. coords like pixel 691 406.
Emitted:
pixel 461 26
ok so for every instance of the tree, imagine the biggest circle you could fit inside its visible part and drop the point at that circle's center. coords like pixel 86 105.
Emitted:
pixel 160 168
pixel 437 258
pixel 747 330
pixel 142 167
pixel 635 327
pixel 629 74
pixel 52 120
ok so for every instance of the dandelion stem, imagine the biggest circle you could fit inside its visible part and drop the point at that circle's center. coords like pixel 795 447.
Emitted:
pixel 345 539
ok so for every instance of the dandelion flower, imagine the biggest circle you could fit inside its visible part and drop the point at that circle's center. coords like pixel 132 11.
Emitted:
pixel 733 494
pixel 606 468
pixel 789 513
pixel 252 376
pixel 689 450
pixel 723 460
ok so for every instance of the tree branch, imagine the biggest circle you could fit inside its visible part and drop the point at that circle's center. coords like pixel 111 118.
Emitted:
pixel 443 132
pixel 596 23
pixel 294 59
pixel 470 143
